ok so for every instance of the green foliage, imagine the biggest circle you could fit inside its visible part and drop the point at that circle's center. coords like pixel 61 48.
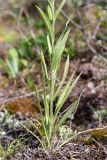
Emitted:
pixel 100 115
pixel 12 64
pixel 102 3
pixel 39 25
pixel 7 119
pixel 10 149
pixel 50 121
pixel 28 47
pixel 41 41
pixel 6 150
pixel 103 36
pixel 59 9
pixel 71 51
pixel 65 133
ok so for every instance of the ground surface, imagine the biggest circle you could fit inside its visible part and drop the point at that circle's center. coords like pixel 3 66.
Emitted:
pixel 92 85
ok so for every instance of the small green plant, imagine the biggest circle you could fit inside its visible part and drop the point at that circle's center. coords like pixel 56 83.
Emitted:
pixel 25 48
pixel 65 133
pixel 7 120
pixel 50 120
pixel 12 63
pixel 28 47
pixel 11 148
pixel 99 115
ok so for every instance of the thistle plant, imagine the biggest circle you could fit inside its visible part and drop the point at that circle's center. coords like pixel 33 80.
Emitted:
pixel 50 121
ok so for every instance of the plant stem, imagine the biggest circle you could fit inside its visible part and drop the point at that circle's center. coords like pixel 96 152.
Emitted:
pixel 52 84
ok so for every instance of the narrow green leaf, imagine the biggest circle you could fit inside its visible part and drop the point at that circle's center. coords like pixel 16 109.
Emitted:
pixel 46 103
pixel 10 69
pixel 59 48
pixel 63 96
pixel 50 13
pixel 1 150
pixel 67 90
pixel 41 142
pixel 63 33
pixel 2 63
pixel 50 3
pixel 47 22
pixel 34 126
pixel 71 109
pixel 49 45
pixel 14 60
pixel 59 9
pixel 44 65
pixel 38 99
pixel 46 130
pixel 63 79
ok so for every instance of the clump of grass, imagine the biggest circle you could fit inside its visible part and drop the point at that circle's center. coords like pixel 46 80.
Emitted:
pixel 50 121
